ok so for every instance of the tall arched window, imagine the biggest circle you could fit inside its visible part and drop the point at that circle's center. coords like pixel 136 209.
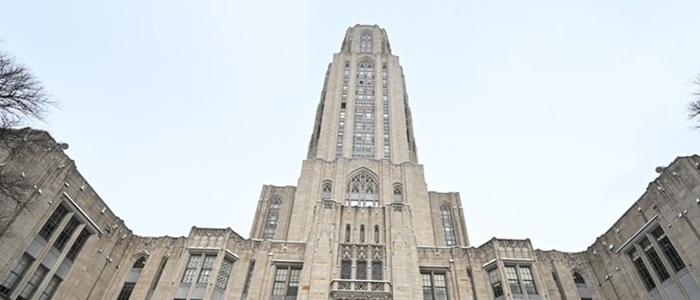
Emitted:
pixel 362 233
pixel 363 190
pixel 345 269
pixel 376 234
pixel 273 216
pixel 366 41
pixel 326 189
pixel 132 278
pixel 583 291
pixel 398 192
pixel 361 271
pixel 447 224
pixel 347 233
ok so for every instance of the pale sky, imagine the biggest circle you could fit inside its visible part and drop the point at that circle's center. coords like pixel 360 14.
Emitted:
pixel 548 117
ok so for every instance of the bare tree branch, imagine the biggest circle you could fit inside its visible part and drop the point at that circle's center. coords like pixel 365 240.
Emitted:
pixel 694 105
pixel 22 99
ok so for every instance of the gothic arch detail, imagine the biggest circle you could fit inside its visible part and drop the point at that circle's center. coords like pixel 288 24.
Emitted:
pixel 363 189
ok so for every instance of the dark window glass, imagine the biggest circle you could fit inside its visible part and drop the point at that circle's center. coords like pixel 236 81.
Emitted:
pixel 361 272
pixel 65 234
pixel 495 280
pixel 53 221
pixel 377 270
pixel 126 291
pixel 347 233
pixel 78 245
pixel 668 249
pixel 654 259
pixel 376 233
pixel 641 269
pixel 345 269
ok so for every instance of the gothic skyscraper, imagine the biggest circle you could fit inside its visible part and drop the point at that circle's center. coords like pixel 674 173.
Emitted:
pixel 359 224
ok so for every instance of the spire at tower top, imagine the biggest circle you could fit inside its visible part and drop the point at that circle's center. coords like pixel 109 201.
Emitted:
pixel 366 39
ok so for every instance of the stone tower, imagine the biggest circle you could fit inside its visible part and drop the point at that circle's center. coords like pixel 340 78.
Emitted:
pixel 360 223
pixel 361 204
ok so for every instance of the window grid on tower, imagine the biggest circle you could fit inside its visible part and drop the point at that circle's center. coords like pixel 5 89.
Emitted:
pixel 273 217
pixel 385 108
pixel 366 42
pixel 447 225
pixel 340 135
pixel 363 120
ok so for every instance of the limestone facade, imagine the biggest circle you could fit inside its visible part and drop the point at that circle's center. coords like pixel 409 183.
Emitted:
pixel 361 223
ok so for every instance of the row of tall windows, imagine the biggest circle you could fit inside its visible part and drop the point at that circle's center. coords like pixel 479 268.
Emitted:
pixel 361 269
pixel 37 268
pixel 519 279
pixel 658 264
pixel 199 272
pixel 340 134
pixel 348 234
pixel 363 118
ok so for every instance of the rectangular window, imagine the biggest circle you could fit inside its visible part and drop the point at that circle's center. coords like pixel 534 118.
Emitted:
pixel 16 274
pixel 434 285
pixel 377 270
pixel 286 285
pixel 207 268
pixel 65 234
pixel 528 280
pixel 668 249
pixel 361 272
pixel 641 269
pixel 78 245
pixel 33 282
pixel 224 273
pixel 53 221
pixel 654 259
pixel 50 288
pixel 345 269
pixel 495 280
pixel 191 269
pixel 512 277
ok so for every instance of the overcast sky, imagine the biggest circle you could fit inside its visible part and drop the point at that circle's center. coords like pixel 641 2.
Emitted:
pixel 548 118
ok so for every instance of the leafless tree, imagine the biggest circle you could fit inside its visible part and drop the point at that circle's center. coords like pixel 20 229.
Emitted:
pixel 22 99
pixel 694 106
